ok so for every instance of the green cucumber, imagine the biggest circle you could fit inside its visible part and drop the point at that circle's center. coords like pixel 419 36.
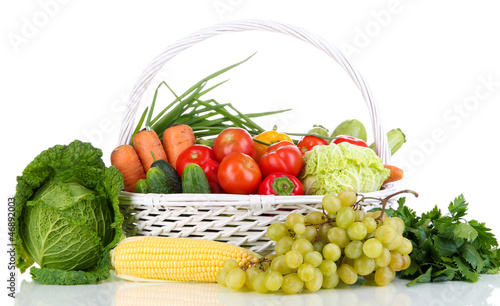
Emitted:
pixel 172 175
pixel 158 181
pixel 142 186
pixel 194 180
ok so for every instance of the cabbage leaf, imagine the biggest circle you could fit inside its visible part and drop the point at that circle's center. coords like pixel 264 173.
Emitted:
pixel 67 215
pixel 333 168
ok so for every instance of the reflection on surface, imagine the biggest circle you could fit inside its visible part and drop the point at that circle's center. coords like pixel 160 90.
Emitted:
pixel 117 292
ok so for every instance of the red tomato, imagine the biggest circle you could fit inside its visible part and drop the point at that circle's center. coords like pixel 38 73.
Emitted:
pixel 281 184
pixel 350 139
pixel 233 140
pixel 283 156
pixel 239 174
pixel 195 154
pixel 211 167
pixel 309 142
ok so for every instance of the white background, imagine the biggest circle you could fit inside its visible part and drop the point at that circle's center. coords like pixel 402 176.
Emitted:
pixel 67 68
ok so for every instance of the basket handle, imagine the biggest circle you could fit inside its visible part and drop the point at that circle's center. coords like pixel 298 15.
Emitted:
pixel 380 137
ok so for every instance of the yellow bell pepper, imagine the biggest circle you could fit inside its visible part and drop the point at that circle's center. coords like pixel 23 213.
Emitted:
pixel 269 137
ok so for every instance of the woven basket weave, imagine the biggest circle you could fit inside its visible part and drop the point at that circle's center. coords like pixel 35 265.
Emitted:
pixel 236 219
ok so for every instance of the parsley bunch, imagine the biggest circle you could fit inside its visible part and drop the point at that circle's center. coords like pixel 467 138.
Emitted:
pixel 447 247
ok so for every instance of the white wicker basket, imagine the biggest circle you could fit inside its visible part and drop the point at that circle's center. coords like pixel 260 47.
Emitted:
pixel 236 219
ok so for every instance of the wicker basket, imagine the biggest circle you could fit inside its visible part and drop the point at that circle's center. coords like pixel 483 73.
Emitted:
pixel 236 219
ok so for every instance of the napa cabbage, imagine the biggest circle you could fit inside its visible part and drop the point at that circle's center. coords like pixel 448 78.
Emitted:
pixel 67 216
pixel 333 168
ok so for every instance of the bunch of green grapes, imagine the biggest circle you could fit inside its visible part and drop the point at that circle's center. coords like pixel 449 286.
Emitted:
pixel 322 248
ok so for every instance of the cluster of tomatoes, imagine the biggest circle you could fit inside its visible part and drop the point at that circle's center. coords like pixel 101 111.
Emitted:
pixel 236 164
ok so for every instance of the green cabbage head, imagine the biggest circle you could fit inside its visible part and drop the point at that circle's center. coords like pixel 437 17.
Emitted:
pixel 333 168
pixel 67 215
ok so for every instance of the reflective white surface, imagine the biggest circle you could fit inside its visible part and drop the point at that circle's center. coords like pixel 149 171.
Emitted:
pixel 117 292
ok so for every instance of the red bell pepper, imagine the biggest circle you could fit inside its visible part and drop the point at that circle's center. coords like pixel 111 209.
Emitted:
pixel 351 140
pixel 283 156
pixel 280 183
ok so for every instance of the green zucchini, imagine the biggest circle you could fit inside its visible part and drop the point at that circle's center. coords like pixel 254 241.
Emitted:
pixel 194 180
pixel 158 181
pixel 142 186
pixel 172 175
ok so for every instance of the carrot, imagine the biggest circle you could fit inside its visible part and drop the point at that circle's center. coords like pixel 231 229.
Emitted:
pixel 176 139
pixel 148 146
pixel 125 159
pixel 396 174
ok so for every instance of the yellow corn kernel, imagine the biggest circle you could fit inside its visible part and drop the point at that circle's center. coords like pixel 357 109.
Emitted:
pixel 175 259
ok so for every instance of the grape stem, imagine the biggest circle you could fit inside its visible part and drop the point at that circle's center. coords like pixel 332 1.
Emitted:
pixel 383 201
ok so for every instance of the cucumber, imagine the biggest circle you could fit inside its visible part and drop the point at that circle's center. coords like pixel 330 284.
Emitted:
pixel 142 186
pixel 158 182
pixel 194 180
pixel 172 175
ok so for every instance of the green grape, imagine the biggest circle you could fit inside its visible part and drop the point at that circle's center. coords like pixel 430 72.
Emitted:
pixel 330 281
pixel 383 276
pixel 294 218
pixel 332 251
pixel 318 245
pixel 309 233
pixel 251 273
pixel 235 279
pixel 221 277
pixel 397 223
pixel 259 283
pixel 292 283
pixel 303 246
pixel 407 261
pixel 314 258
pixel 315 217
pixel 373 248
pixel 406 247
pixel 299 228
pixel 364 265
pixel 316 282
pixel 347 197
pixel 359 215
pixel 385 233
pixel 230 264
pixel 345 217
pixel 395 243
pixel 357 231
pixel 354 249
pixel 397 261
pixel 370 223
pixel 327 267
pixel 283 245
pixel 323 231
pixel 384 259
pixel 347 274
pixel 273 280
pixel 293 259
pixel 306 272
pixel 278 264
pixel 331 203
pixel 267 263
pixel 276 231
pixel 338 236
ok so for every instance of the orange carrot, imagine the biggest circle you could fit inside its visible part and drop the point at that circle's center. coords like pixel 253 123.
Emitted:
pixel 125 159
pixel 396 174
pixel 148 146
pixel 176 139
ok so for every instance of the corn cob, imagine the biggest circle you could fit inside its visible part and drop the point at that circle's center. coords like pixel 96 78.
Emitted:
pixel 175 259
